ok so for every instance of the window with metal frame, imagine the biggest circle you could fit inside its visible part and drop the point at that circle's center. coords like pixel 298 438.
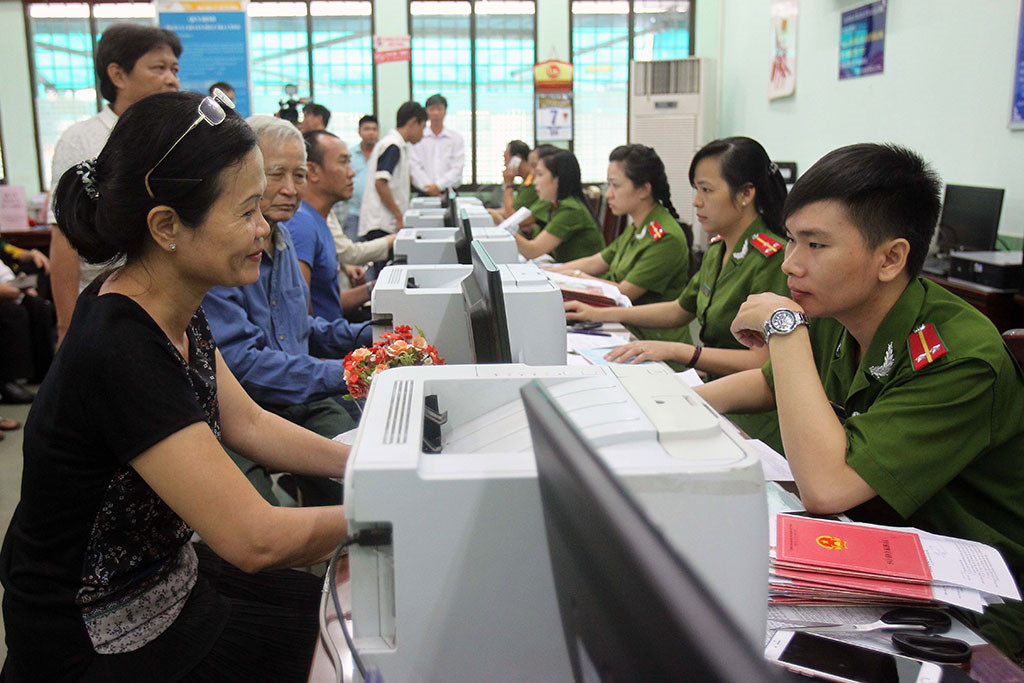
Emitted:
pixel 278 52
pixel 480 56
pixel 606 35
pixel 343 62
pixel 62 39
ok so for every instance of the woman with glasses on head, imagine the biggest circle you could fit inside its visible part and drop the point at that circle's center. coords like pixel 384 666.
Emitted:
pixel 570 231
pixel 739 198
pixel 123 456
pixel 649 261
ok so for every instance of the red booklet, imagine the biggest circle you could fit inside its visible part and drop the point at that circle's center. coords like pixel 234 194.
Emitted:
pixel 588 295
pixel 827 582
pixel 851 548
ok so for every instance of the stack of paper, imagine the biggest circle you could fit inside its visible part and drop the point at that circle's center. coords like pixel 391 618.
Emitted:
pixel 589 291
pixel 824 562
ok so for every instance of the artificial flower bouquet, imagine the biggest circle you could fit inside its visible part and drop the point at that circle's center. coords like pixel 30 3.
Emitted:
pixel 392 350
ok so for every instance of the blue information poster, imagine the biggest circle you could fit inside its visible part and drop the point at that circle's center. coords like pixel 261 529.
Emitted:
pixel 214 45
pixel 862 41
pixel 1017 109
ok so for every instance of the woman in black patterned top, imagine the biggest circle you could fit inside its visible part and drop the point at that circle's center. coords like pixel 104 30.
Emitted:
pixel 123 455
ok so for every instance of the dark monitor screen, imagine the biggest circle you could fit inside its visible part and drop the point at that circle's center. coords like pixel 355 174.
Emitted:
pixel 446 198
pixel 484 299
pixel 632 609
pixel 451 215
pixel 463 238
pixel 970 218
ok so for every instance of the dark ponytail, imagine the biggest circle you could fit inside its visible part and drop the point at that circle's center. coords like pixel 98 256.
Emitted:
pixel 642 165
pixel 744 162
pixel 102 205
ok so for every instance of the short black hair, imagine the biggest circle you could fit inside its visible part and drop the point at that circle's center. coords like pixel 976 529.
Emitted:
pixel 744 162
pixel 887 191
pixel 518 148
pixel 113 222
pixel 317 110
pixel 410 110
pixel 122 44
pixel 221 85
pixel 314 152
pixel 436 98
pixel 367 118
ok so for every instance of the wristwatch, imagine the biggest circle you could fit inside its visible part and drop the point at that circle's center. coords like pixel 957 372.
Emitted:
pixel 783 321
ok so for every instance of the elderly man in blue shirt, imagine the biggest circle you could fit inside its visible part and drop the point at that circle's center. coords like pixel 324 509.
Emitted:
pixel 264 330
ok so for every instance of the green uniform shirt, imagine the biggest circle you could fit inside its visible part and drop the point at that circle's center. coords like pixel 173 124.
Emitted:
pixel 659 266
pixel 572 223
pixel 715 293
pixel 942 446
pixel 526 196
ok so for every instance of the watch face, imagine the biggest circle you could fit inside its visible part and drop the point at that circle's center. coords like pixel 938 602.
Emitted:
pixel 783 320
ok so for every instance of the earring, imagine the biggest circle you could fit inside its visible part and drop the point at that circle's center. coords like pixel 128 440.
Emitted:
pixel 172 246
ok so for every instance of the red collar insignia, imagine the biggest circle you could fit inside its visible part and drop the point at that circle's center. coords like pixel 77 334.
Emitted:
pixel 925 346
pixel 716 238
pixel 765 244
pixel 657 232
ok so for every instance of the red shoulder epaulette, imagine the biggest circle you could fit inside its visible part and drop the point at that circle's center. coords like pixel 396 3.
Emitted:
pixel 714 239
pixel 657 232
pixel 765 244
pixel 925 346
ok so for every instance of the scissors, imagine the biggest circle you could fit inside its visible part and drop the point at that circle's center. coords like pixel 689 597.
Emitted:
pixel 915 630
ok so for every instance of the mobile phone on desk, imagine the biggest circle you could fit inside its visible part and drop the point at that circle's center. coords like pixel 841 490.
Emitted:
pixel 835 660
pixel 585 325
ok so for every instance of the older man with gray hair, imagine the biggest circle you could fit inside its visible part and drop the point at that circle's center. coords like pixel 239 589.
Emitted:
pixel 264 330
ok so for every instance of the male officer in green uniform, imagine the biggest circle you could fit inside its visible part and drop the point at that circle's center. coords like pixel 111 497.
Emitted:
pixel 899 403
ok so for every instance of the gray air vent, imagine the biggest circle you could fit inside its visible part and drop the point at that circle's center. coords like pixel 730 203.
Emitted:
pixel 670 77
pixel 396 429
pixel 393 276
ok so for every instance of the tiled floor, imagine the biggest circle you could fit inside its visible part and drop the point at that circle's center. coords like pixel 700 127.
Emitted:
pixel 10 482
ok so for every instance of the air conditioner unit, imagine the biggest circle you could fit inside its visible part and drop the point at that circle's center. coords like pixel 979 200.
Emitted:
pixel 673 107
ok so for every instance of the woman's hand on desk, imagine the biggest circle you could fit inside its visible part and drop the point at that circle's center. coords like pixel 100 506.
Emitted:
pixel 576 311
pixel 645 350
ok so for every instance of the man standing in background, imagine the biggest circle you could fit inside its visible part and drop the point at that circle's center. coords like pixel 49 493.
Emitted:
pixel 437 160
pixel 369 133
pixel 132 62
pixel 314 117
pixel 386 199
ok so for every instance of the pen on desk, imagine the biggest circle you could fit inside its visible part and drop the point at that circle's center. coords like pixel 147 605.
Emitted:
pixel 591 332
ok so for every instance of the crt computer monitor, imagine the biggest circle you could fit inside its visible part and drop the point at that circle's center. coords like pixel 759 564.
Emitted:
pixel 632 609
pixel 463 238
pixel 969 219
pixel 485 306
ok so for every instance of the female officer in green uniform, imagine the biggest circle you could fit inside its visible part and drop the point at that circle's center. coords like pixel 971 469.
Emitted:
pixel 520 161
pixel 571 231
pixel 739 199
pixel 648 261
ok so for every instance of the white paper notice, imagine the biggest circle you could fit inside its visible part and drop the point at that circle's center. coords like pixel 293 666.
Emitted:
pixel 776 467
pixel 512 222
pixel 691 377
pixel 968 563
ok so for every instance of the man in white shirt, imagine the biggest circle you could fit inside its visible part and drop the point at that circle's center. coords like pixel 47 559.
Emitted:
pixel 437 160
pixel 386 199
pixel 132 62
